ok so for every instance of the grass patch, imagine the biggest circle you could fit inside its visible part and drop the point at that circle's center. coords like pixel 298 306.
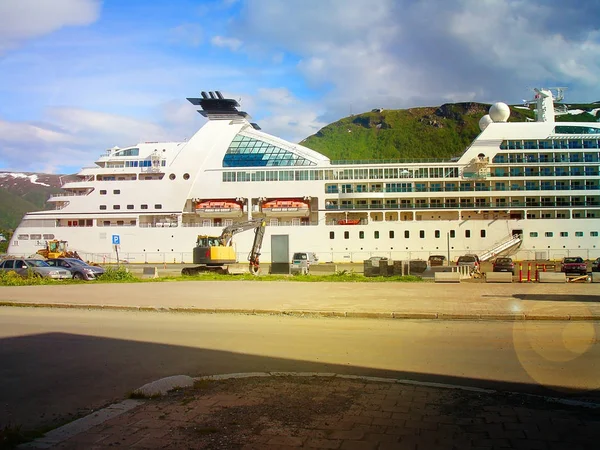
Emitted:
pixel 341 276
pixel 117 274
pixel 13 279
pixel 11 436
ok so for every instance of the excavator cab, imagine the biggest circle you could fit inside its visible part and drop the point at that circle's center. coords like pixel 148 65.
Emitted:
pixel 211 252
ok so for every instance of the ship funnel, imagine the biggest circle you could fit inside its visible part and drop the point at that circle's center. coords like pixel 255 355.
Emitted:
pixel 204 94
pixel 219 94
pixel 212 95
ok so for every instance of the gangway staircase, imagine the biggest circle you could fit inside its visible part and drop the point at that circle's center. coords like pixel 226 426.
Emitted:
pixel 509 243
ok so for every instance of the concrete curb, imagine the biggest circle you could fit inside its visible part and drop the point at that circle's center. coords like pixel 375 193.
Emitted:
pixel 316 313
pixel 78 426
pixel 65 432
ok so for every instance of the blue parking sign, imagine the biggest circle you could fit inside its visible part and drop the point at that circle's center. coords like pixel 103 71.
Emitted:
pixel 116 240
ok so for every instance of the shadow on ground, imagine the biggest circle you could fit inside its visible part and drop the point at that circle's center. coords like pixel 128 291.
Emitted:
pixel 559 297
pixel 47 379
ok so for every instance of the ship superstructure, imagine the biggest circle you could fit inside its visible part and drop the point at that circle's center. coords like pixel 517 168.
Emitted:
pixel 531 189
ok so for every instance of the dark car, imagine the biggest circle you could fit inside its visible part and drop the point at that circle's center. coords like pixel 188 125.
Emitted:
pixel 573 264
pixel 80 270
pixel 504 265
pixel 436 260
pixel 596 265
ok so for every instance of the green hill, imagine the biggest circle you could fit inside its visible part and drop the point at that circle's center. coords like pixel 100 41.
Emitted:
pixel 13 208
pixel 415 133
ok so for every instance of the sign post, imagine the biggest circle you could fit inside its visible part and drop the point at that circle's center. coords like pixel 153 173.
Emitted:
pixel 116 240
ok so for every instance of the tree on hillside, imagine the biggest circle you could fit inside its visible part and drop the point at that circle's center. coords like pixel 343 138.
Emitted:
pixel 6 236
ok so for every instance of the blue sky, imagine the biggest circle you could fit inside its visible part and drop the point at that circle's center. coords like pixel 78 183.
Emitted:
pixel 80 76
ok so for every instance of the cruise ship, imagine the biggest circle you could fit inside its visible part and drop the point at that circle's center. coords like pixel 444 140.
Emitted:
pixel 526 189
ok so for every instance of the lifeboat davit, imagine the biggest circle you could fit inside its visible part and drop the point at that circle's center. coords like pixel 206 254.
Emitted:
pixel 286 207
pixel 219 208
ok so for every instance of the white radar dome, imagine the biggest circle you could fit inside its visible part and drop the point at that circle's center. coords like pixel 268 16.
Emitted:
pixel 499 112
pixel 484 122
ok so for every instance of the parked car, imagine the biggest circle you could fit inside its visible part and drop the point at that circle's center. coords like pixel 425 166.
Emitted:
pixel 35 267
pixel 468 260
pixel 596 265
pixel 504 265
pixel 573 264
pixel 79 270
pixel 301 261
pixel 436 260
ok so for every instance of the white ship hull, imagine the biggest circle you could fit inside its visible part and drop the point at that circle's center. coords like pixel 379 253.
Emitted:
pixel 139 203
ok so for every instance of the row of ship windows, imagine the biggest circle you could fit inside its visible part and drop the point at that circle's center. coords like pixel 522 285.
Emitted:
pixel 144 206
pixel 550 144
pixel 545 157
pixel 361 234
pixel 452 234
pixel 380 174
pixel 462 187
pixel 344 174
pixel 141 163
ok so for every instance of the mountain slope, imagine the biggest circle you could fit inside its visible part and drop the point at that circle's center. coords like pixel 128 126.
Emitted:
pixel 24 192
pixel 417 133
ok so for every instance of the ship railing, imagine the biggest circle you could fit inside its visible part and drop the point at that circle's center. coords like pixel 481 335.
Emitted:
pixel 493 206
pixel 69 194
pixel 159 225
pixel 341 162
pixel 272 224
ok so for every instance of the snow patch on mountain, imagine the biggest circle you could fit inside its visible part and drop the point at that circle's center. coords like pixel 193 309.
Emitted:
pixel 32 178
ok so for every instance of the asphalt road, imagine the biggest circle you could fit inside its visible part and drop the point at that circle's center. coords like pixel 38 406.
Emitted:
pixel 57 363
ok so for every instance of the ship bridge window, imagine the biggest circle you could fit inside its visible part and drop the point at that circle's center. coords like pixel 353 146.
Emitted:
pixel 128 152
pixel 575 129
pixel 245 151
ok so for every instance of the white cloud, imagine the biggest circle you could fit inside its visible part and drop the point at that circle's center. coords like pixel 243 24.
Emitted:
pixel 406 53
pixel 70 138
pixel 26 19
pixel 230 43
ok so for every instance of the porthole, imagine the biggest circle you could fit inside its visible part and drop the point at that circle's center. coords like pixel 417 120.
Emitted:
pixel 186 176
pixel 172 176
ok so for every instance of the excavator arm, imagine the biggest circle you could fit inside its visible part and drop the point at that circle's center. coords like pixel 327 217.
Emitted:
pixel 259 232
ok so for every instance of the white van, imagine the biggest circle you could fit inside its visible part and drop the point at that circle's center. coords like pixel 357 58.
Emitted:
pixel 301 261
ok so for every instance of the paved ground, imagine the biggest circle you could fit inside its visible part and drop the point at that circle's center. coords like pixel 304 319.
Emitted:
pixel 287 416
pixel 565 301
pixel 347 414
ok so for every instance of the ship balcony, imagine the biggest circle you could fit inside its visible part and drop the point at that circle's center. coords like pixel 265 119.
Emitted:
pixel 59 197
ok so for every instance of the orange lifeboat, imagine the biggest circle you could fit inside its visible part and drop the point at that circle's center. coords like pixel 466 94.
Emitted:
pixel 349 222
pixel 219 208
pixel 286 207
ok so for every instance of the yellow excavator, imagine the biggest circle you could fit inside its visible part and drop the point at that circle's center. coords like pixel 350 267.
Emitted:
pixel 57 249
pixel 215 253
